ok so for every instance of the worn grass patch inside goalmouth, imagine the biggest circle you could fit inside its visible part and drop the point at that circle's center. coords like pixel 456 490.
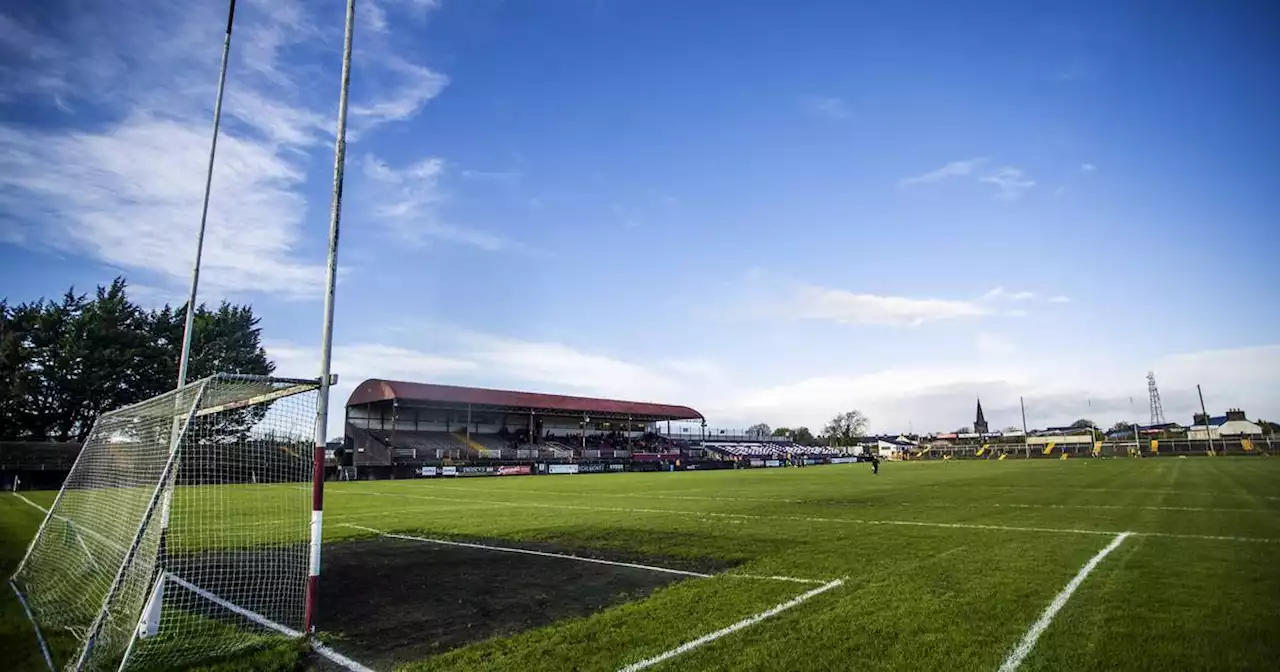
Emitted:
pixel 390 601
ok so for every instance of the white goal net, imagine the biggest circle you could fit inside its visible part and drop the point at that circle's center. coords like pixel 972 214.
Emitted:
pixel 181 533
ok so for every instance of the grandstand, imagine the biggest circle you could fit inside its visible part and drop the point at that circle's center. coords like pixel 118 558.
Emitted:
pixel 394 426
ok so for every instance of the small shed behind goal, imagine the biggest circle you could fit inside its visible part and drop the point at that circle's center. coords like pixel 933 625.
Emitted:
pixel 182 531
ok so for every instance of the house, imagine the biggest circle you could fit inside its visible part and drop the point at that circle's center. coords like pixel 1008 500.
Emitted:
pixel 1234 423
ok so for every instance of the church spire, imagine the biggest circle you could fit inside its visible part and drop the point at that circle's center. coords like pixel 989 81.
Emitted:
pixel 980 422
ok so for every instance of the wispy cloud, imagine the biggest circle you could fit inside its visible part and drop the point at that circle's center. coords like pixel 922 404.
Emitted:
pixel 837 305
pixel 408 201
pixel 953 169
pixel 402 89
pixel 830 107
pixel 126 191
pixel 1000 293
pixel 130 197
pixel 1059 299
pixel 1088 168
pixel 1011 181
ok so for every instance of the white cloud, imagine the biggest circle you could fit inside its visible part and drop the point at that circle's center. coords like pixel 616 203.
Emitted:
pixel 567 368
pixel 953 169
pixel 404 89
pixel 1001 294
pixel 940 396
pixel 823 303
pixel 1059 299
pixel 830 107
pixel 126 191
pixel 1011 181
pixel 925 396
pixel 130 197
pixel 370 15
pixel 408 201
pixel 1088 168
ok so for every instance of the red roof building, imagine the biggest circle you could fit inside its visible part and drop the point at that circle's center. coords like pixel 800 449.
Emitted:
pixel 375 392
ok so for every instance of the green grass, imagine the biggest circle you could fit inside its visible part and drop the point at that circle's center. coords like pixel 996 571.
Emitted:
pixel 1198 586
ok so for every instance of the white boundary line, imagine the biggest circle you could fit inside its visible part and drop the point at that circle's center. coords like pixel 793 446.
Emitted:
pixel 265 622
pixel 44 648
pixel 780 500
pixel 1024 647
pixel 811 519
pixel 525 551
pixel 579 558
pixel 31 503
pixel 746 622
pixel 688 646
pixel 792 579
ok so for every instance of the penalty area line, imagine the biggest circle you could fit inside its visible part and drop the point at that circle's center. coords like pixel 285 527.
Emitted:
pixel 744 623
pixel 1024 647
pixel 579 558
pixel 526 551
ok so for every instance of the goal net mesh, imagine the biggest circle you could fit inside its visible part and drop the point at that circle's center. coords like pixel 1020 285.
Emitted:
pixel 181 534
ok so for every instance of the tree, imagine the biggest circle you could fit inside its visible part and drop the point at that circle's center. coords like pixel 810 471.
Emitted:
pixel 1082 424
pixel 64 363
pixel 1011 429
pixel 963 430
pixel 1121 426
pixel 803 436
pixel 1269 428
pixel 759 430
pixel 784 432
pixel 843 429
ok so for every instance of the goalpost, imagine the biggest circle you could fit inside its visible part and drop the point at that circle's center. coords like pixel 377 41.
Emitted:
pixel 182 532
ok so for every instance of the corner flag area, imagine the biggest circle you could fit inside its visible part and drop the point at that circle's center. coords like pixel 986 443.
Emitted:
pixel 960 565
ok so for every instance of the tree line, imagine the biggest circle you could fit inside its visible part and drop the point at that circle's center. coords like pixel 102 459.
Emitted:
pixel 845 429
pixel 64 362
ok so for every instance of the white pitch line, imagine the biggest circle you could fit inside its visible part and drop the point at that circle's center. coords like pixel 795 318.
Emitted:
pixel 265 622
pixel 744 623
pixel 761 577
pixel 316 646
pixel 587 495
pixel 525 551
pixel 31 502
pixel 811 519
pixel 1028 642
pixel 88 532
pixel 338 658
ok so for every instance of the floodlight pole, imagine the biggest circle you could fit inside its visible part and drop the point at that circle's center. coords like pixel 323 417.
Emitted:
pixel 326 338
pixel 1208 428
pixel 1026 440
pixel 185 356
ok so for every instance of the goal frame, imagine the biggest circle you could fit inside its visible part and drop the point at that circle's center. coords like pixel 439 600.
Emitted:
pixel 185 417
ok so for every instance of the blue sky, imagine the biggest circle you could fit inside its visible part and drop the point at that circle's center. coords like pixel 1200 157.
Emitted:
pixel 770 212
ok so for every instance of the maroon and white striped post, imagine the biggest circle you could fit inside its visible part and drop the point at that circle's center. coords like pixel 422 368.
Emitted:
pixel 326 341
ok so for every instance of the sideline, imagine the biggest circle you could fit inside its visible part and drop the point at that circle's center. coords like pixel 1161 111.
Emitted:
pixel 811 519
pixel 1028 642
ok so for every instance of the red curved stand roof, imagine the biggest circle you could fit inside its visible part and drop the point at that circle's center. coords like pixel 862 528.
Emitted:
pixel 375 390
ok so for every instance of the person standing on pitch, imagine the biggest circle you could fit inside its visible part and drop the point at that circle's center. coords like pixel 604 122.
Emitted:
pixel 875 463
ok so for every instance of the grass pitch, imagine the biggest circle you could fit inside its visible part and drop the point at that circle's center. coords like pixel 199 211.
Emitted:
pixel 944 564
